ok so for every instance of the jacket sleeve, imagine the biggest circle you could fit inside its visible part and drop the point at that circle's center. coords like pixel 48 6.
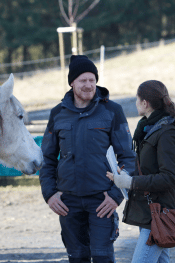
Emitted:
pixel 116 194
pixel 165 179
pixel 47 174
pixel 122 143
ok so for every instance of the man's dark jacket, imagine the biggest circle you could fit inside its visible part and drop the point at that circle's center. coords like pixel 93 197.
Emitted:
pixel 157 164
pixel 80 138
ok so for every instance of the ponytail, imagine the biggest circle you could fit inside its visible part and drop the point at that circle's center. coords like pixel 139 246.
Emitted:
pixel 169 105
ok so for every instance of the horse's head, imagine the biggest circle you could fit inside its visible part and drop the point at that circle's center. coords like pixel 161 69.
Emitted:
pixel 17 147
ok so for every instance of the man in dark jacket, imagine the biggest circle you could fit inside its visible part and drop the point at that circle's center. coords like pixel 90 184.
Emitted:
pixel 73 177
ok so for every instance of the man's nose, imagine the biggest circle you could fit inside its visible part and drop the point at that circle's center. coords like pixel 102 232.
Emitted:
pixel 88 83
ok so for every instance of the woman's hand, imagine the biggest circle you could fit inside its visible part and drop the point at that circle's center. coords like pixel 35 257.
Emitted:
pixel 122 180
pixel 110 176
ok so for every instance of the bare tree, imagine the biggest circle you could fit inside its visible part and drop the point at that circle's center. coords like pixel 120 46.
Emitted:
pixel 72 10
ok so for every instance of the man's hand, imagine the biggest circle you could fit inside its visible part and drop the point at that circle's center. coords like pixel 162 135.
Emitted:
pixel 57 205
pixel 108 206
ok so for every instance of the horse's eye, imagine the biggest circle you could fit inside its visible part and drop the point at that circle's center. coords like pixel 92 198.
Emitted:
pixel 20 117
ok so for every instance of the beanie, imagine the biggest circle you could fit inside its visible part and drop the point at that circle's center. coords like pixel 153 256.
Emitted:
pixel 80 64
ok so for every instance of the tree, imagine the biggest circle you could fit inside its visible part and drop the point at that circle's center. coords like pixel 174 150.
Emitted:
pixel 72 7
pixel 26 23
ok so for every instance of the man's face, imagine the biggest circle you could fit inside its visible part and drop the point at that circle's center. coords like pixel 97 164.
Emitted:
pixel 84 87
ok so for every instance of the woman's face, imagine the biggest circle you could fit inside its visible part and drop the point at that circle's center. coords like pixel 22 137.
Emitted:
pixel 140 104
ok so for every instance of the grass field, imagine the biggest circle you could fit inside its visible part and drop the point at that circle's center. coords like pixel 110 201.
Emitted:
pixel 122 76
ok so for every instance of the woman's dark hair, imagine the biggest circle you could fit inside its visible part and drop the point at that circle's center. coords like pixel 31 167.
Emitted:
pixel 156 93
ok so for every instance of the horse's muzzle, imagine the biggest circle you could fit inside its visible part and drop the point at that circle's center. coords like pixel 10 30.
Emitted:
pixel 33 167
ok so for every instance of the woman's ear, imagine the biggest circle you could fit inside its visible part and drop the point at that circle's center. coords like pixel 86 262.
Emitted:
pixel 148 108
pixel 146 104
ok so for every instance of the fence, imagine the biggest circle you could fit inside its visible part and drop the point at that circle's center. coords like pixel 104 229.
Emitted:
pixel 54 62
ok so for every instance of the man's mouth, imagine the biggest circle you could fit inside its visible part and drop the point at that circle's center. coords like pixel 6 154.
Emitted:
pixel 87 90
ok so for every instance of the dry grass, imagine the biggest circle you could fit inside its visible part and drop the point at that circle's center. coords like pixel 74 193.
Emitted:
pixel 122 76
pixel 127 72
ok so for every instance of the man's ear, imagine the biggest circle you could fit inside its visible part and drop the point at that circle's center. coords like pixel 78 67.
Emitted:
pixel 72 84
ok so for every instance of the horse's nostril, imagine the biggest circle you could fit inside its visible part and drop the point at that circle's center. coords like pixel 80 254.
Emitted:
pixel 37 164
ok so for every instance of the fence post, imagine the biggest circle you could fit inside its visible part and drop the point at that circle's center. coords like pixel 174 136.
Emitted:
pixel 61 46
pixel 138 47
pixel 161 42
pixel 102 58
pixel 146 43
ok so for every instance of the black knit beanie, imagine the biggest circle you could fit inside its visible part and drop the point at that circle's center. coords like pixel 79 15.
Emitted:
pixel 80 64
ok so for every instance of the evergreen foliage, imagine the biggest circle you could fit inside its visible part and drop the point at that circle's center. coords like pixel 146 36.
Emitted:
pixel 28 25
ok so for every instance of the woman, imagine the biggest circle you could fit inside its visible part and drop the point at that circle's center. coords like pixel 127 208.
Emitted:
pixel 154 143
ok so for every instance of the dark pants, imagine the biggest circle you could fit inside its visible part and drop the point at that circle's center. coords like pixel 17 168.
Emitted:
pixel 85 235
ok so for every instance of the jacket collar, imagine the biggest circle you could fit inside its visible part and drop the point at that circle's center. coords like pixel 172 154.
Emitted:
pixel 101 94
pixel 158 125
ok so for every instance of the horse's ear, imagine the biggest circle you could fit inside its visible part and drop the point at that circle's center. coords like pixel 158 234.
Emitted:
pixel 7 88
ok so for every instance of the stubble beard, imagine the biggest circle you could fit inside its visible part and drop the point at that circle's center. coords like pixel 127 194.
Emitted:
pixel 86 94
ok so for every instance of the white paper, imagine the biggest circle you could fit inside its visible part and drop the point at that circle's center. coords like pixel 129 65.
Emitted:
pixel 110 155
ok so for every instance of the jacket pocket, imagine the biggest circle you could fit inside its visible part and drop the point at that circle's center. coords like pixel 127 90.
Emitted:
pixel 98 136
pixel 64 132
pixel 115 230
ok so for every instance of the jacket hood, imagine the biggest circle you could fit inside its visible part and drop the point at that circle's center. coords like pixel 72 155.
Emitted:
pixel 101 94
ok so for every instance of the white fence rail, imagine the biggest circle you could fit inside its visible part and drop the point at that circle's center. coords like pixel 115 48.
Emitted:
pixel 99 54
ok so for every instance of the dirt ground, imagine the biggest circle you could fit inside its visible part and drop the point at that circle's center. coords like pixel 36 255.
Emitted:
pixel 30 231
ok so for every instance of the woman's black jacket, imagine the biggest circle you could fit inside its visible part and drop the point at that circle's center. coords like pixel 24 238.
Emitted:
pixel 157 164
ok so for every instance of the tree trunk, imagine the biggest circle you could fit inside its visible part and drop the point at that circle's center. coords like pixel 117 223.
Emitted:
pixel 9 59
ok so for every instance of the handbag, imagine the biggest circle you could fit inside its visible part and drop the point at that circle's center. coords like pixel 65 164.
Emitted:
pixel 162 225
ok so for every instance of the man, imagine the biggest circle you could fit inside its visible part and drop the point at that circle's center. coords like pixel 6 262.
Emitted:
pixel 73 178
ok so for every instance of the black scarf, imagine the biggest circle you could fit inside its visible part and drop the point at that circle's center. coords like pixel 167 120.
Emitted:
pixel 139 133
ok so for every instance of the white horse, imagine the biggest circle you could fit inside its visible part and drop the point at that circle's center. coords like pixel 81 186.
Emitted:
pixel 17 147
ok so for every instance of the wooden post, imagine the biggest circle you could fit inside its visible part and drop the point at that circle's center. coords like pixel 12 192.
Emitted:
pixel 74 39
pixel 80 41
pixel 60 31
pixel 62 60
